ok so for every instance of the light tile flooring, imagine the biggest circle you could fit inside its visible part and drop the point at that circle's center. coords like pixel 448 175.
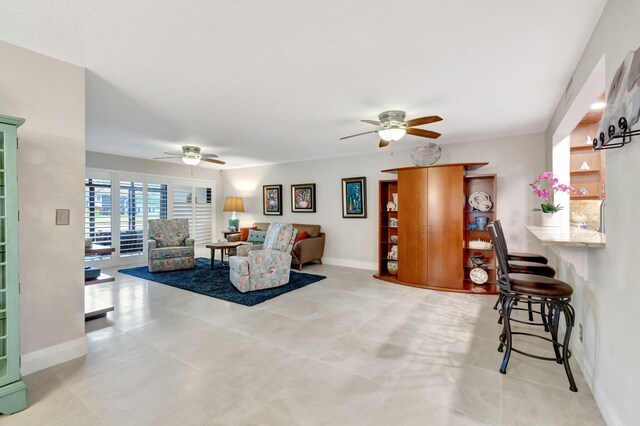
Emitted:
pixel 349 350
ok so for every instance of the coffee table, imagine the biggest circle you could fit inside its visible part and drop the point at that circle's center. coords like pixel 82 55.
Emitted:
pixel 222 247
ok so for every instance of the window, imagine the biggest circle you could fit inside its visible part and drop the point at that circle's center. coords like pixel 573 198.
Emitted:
pixel 198 209
pixel 157 201
pixel 131 218
pixel 97 213
pixel 118 207
pixel 203 216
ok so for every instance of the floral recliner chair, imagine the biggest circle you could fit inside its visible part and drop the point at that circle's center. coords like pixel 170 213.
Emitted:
pixel 257 268
pixel 169 245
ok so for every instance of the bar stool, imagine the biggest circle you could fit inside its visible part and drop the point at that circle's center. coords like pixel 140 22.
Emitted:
pixel 555 294
pixel 526 257
pixel 536 266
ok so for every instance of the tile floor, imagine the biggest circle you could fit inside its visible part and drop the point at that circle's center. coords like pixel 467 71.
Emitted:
pixel 349 350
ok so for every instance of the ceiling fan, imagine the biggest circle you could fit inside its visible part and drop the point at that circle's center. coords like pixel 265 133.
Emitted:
pixel 191 155
pixel 393 127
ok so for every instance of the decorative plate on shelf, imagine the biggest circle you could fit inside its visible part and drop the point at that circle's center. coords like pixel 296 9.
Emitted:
pixel 478 276
pixel 480 200
pixel 480 245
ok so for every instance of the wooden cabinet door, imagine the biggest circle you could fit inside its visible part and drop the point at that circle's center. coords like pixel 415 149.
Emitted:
pixel 445 204
pixel 413 255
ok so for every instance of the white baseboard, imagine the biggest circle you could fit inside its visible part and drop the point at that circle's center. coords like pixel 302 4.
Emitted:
pixel 371 266
pixel 602 400
pixel 53 355
pixel 604 404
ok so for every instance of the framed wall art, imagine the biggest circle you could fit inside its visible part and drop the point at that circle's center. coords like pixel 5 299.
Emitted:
pixel 354 197
pixel 272 200
pixel 303 198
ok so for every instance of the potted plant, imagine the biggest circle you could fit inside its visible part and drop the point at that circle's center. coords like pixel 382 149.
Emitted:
pixel 545 186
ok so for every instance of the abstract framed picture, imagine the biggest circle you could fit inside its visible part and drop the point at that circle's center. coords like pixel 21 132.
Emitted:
pixel 303 198
pixel 354 197
pixel 272 200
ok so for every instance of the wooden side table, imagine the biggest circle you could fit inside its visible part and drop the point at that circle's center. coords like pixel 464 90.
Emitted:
pixel 222 247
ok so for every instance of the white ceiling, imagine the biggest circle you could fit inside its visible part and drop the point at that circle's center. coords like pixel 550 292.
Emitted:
pixel 275 81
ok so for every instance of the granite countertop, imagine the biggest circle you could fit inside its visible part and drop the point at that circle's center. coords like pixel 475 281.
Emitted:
pixel 568 236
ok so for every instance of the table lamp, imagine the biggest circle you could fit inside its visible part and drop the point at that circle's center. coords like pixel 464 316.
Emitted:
pixel 233 204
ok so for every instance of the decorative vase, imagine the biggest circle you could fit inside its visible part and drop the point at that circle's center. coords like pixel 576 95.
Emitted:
pixel 481 223
pixel 395 199
pixel 392 267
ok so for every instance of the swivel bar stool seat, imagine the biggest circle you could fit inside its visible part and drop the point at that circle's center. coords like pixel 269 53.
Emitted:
pixel 522 267
pixel 536 289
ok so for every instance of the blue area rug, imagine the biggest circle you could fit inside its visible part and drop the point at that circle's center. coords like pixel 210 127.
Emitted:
pixel 215 282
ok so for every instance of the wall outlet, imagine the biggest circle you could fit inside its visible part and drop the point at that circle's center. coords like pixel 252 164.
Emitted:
pixel 580 331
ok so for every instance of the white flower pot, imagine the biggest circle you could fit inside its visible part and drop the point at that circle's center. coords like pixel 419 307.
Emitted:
pixel 550 219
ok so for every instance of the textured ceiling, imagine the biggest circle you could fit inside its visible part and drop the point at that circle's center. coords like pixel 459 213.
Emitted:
pixel 274 81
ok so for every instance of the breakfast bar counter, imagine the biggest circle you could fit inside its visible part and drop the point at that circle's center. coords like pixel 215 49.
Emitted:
pixel 571 244
pixel 570 236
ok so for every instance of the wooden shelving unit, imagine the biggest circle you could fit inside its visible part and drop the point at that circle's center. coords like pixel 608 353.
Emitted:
pixel 431 228
pixel 386 189
pixel 486 183
pixel 591 180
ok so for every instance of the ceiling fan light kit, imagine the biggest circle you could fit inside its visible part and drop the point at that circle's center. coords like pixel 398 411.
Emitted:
pixel 392 135
pixel 393 127
pixel 192 156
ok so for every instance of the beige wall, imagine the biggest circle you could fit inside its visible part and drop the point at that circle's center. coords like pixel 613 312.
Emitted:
pixel 352 242
pixel 608 304
pixel 50 95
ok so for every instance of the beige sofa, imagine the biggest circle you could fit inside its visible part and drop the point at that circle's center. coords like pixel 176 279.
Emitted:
pixel 307 250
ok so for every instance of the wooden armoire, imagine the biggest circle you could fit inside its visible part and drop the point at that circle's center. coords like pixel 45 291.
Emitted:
pixel 428 226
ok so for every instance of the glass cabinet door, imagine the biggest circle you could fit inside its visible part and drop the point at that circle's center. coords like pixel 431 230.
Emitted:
pixel 3 269
pixel 13 391
pixel 9 317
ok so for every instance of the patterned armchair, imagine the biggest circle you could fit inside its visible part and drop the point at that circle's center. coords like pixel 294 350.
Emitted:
pixel 257 268
pixel 169 245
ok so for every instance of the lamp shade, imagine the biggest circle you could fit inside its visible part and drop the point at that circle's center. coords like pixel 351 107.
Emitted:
pixel 233 204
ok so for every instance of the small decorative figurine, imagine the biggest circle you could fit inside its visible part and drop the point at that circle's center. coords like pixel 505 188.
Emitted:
pixel 393 254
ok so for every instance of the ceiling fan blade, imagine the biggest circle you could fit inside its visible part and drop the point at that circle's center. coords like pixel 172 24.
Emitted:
pixel 358 134
pixel 375 123
pixel 162 158
pixel 423 133
pixel 211 160
pixel 383 143
pixel 423 120
pixel 208 156
pixel 173 153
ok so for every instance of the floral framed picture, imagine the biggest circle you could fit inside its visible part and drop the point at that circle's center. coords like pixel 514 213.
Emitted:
pixel 354 197
pixel 303 198
pixel 272 200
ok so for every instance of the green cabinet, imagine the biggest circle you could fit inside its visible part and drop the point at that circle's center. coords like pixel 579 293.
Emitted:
pixel 13 391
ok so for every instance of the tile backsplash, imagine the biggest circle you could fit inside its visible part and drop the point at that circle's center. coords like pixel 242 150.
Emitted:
pixel 589 209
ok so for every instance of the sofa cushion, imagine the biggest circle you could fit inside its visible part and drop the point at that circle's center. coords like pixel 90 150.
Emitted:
pixel 256 236
pixel 170 252
pixel 244 232
pixel 312 230
pixel 262 226
pixel 301 236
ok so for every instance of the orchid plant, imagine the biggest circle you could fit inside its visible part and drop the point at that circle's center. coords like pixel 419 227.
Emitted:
pixel 544 187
